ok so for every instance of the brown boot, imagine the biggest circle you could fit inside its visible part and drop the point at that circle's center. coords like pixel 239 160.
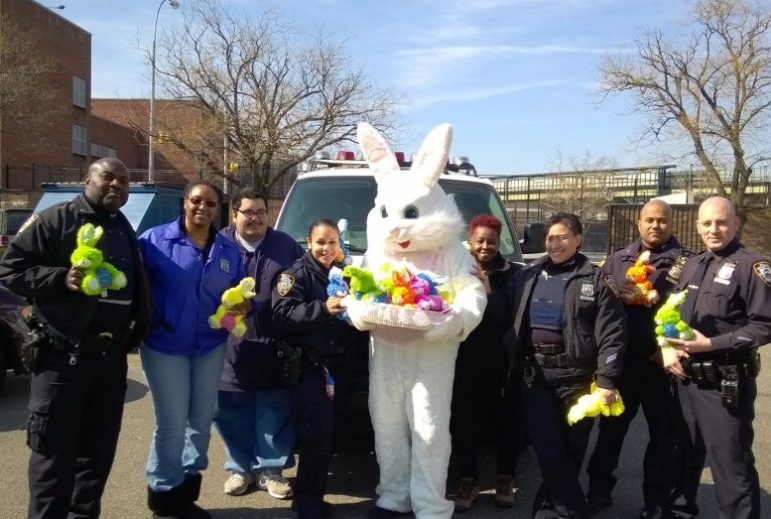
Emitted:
pixel 504 491
pixel 468 491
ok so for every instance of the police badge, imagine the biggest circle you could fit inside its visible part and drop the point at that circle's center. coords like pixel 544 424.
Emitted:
pixel 673 276
pixel 285 284
pixel 762 269
pixel 587 292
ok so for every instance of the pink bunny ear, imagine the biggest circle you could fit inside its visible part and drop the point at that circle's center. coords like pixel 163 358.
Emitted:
pixel 431 160
pixel 376 151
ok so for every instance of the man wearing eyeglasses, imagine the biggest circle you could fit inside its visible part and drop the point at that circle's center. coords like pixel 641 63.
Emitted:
pixel 253 409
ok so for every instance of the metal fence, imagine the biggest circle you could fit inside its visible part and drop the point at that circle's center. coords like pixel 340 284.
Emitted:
pixel 608 201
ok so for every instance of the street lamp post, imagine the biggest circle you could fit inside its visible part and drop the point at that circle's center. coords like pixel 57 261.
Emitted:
pixel 151 127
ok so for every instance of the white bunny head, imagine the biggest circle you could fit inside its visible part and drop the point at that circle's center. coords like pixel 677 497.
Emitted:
pixel 411 212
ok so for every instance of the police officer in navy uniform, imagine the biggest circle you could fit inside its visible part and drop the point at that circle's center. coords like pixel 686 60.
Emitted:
pixel 306 318
pixel 569 330
pixel 729 289
pixel 79 384
pixel 644 382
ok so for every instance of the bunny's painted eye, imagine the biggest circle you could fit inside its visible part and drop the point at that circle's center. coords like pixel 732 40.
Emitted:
pixel 411 212
pixel 383 211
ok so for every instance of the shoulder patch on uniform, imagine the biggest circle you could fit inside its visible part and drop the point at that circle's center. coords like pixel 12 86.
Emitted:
pixel 32 219
pixel 611 285
pixel 285 284
pixel 762 269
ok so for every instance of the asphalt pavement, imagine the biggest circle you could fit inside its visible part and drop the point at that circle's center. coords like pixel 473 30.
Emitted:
pixel 353 474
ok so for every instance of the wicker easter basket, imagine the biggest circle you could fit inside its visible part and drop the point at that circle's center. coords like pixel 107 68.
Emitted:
pixel 400 316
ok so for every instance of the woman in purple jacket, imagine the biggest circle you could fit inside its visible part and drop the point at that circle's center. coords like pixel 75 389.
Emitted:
pixel 189 266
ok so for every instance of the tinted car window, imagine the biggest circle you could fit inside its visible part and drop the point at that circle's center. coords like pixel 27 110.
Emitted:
pixel 16 219
pixel 352 198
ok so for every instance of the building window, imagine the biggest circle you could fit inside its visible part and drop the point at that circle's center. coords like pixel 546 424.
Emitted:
pixel 99 151
pixel 79 145
pixel 78 91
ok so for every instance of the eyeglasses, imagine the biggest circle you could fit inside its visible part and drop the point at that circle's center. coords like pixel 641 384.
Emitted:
pixel 197 200
pixel 262 213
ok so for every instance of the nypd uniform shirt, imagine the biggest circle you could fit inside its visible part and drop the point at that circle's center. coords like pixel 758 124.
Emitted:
pixel 729 297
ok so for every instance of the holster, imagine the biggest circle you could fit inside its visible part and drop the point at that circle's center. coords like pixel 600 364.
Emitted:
pixel 36 340
pixel 291 362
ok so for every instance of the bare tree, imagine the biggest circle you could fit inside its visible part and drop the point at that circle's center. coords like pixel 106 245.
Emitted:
pixel 714 88
pixel 582 185
pixel 271 97
pixel 28 104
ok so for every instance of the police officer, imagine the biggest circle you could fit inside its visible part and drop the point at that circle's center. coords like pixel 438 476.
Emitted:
pixel 569 328
pixel 79 383
pixel 729 289
pixel 306 319
pixel 643 382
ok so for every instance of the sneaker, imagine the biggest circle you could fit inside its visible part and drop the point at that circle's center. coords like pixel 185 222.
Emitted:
pixel 238 483
pixel 276 485
pixel 467 494
pixel 504 491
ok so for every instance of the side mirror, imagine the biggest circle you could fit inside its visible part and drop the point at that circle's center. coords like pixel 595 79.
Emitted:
pixel 532 239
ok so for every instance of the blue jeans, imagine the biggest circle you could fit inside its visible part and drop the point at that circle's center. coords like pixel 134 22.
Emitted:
pixel 184 389
pixel 257 429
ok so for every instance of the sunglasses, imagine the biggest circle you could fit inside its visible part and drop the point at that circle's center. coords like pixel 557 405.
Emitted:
pixel 197 200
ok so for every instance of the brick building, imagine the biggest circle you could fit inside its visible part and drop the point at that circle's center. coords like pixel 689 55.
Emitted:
pixel 71 129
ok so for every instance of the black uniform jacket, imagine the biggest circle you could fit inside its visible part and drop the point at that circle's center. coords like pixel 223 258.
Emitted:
pixel 733 303
pixel 299 310
pixel 593 323
pixel 36 263
pixel 668 259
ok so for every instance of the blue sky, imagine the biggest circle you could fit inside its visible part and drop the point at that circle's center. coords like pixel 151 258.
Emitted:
pixel 516 78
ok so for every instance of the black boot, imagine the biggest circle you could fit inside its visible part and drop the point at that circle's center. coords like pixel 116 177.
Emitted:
pixel 190 490
pixel 164 505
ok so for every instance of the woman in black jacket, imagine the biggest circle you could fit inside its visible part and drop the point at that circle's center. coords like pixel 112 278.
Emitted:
pixel 569 330
pixel 304 316
pixel 483 401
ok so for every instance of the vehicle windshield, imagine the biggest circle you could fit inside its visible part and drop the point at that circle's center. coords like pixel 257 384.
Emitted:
pixel 353 198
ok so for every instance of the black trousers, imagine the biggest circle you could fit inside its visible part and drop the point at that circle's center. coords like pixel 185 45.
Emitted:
pixel 727 435
pixel 481 412
pixel 315 415
pixel 643 384
pixel 75 418
pixel 559 447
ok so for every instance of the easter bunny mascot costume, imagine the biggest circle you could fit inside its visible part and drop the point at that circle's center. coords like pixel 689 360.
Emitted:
pixel 415 224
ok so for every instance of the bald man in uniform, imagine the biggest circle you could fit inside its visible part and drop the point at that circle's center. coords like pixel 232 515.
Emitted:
pixel 729 290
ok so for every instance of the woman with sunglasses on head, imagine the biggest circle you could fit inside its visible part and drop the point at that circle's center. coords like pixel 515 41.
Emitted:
pixel 306 318
pixel 569 331
pixel 189 265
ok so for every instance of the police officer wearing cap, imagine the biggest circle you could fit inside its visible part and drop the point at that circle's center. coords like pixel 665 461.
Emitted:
pixel 644 382
pixel 729 289
pixel 569 330
pixel 78 384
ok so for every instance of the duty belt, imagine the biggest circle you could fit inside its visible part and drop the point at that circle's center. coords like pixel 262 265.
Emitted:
pixel 713 371
pixel 550 355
